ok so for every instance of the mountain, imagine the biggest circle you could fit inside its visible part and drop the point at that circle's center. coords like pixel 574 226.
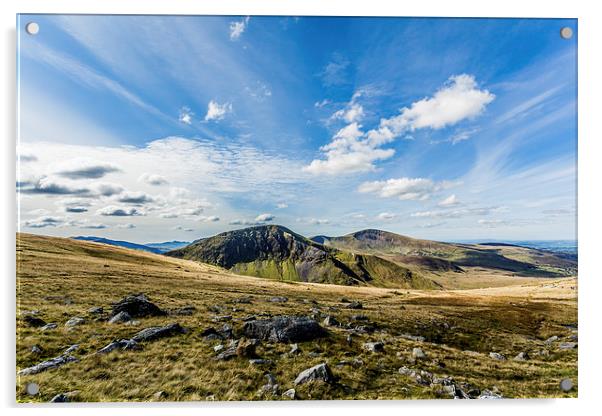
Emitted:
pixel 119 243
pixel 432 256
pixel 273 251
pixel 167 245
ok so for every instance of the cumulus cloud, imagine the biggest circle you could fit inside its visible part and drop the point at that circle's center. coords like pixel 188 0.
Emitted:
pixel 417 189
pixel 449 201
pixel 51 186
pixel 352 150
pixel 127 226
pixel 93 226
pixel 114 211
pixel 153 179
pixel 75 209
pixel 108 189
pixel 185 116
pixel 238 28
pixel 42 222
pixel 211 218
pixel 83 169
pixel 266 217
pixel 216 111
pixel 137 198
pixel 386 216
pixel 181 228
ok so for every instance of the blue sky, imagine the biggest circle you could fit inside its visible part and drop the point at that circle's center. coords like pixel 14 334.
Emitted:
pixel 157 128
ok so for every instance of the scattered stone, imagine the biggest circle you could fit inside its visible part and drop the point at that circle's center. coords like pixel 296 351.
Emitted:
pixel 278 299
pixel 489 395
pixel 222 318
pixel 75 321
pixel 137 306
pixel 49 326
pixel 566 384
pixel 349 339
pixel 186 310
pixel 420 376
pixel 47 365
pixel 290 394
pixel 156 332
pixel 551 340
pixel 359 317
pixel 36 349
pixel 374 346
pixel 574 337
pixel 96 310
pixel 65 397
pixel 284 329
pixel 330 321
pixel 418 354
pixel 522 356
pixel 472 353
pixel 356 362
pixel 160 395
pixel 294 349
pixel 271 386
pixel 246 300
pixel 497 356
pixel 122 344
pixel 320 372
pixel 313 354
pixel 132 323
pixel 416 338
pixel 218 348
pixel 259 361
pixel 34 321
pixel 355 305
pixel 71 349
pixel 567 345
pixel 120 318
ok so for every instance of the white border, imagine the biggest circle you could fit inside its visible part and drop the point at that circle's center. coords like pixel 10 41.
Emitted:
pixel 590 287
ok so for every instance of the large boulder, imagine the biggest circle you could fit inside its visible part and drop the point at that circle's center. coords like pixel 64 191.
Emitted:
pixel 47 365
pixel 320 372
pixel 156 332
pixel 122 344
pixel 284 329
pixel 137 306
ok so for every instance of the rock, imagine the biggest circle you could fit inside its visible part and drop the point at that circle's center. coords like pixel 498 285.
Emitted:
pixel 227 354
pixel 96 310
pixel 418 354
pixel 290 394
pixel 474 393
pixel 522 356
pixel 574 337
pixel 271 386
pixel 132 323
pixel 294 349
pixel 34 321
pixel 160 395
pixel 222 318
pixel 137 306
pixel 122 344
pixel 320 372
pixel 259 361
pixel 359 317
pixel 70 349
pixel 246 300
pixel 421 377
pixel 489 395
pixel 567 345
pixel 47 365
pixel 497 356
pixel 417 338
pixel 36 349
pixel 218 348
pixel 120 318
pixel 566 384
pixel 349 339
pixel 284 329
pixel 49 326
pixel 278 299
pixel 186 310
pixel 75 321
pixel 330 321
pixel 374 346
pixel 65 397
pixel 355 305
pixel 551 340
pixel 156 332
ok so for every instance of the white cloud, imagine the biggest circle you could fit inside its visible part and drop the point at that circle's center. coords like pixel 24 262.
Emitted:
pixel 457 213
pixel 153 179
pixel 181 228
pixel 281 205
pixel 127 226
pixel 417 189
pixel 136 198
pixel 386 216
pixel 211 218
pixel 42 222
pixel 492 223
pixel 114 211
pixel 335 71
pixel 238 28
pixel 185 115
pixel 323 103
pixel 351 150
pixel 216 111
pixel 318 221
pixel 449 201
pixel 265 217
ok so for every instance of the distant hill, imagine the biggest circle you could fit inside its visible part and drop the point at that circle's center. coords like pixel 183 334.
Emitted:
pixel 433 256
pixel 119 243
pixel 273 251
pixel 168 245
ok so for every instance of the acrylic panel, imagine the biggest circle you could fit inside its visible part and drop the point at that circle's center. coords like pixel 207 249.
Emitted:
pixel 295 208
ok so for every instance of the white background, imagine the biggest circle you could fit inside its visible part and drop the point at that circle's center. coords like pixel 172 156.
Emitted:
pixel 590 162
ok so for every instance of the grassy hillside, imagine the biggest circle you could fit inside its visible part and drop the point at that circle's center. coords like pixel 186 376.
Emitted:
pixel 63 278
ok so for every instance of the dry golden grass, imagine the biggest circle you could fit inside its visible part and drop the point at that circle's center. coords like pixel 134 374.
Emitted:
pixel 62 278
